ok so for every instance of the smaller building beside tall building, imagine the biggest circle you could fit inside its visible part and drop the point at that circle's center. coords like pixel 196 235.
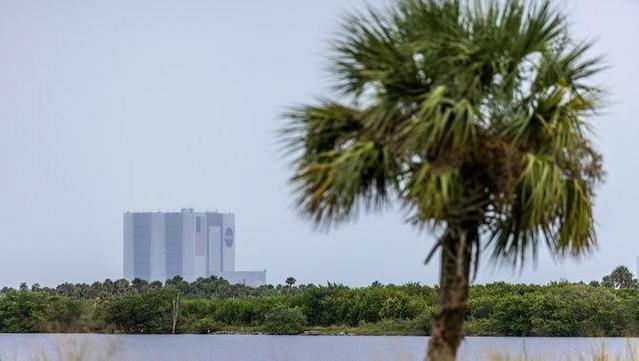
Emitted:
pixel 161 245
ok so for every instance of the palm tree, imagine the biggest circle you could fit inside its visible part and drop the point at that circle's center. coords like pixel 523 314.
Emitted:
pixel 621 277
pixel 290 281
pixel 474 117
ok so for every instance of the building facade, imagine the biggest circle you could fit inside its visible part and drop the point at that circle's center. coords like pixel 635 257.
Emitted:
pixel 162 245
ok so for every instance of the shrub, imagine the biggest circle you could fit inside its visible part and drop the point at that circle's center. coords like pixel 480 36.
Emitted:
pixel 513 315
pixel 203 326
pixel 63 315
pixel 23 312
pixel 397 307
pixel 480 327
pixel 422 324
pixel 325 306
pixel 552 315
pixel 284 321
pixel 141 313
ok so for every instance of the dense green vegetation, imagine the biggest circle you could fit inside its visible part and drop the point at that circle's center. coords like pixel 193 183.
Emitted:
pixel 283 320
pixel 607 308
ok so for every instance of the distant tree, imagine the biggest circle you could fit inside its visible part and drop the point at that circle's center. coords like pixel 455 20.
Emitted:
pixel 139 284
pixel 66 289
pixel 594 284
pixel 621 277
pixel 290 281
pixel 121 286
pixel 187 289
pixel 23 287
pixel 107 287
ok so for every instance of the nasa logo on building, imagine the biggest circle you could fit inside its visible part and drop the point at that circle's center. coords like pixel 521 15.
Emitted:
pixel 228 237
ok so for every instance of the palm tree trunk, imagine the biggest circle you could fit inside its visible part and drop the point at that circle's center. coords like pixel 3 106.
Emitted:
pixel 446 334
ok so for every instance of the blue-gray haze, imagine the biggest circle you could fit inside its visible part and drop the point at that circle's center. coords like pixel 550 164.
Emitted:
pixel 107 106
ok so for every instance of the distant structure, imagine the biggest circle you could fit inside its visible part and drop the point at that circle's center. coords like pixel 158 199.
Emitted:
pixel 161 245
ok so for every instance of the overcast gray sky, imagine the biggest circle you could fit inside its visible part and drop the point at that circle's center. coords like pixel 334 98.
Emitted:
pixel 107 106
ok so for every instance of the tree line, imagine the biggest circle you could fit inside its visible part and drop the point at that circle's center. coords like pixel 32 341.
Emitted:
pixel 208 305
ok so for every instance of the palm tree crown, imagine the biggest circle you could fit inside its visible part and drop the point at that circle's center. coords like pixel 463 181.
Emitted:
pixel 474 115
pixel 467 113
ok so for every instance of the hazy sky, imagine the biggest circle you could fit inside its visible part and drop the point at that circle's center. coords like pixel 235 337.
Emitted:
pixel 108 106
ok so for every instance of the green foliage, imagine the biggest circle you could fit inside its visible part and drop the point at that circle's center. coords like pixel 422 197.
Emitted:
pixel 200 288
pixel 474 116
pixel 398 307
pixel 203 326
pixel 244 312
pixel 621 277
pixel 554 310
pixel 284 321
pixel 423 323
pixel 141 313
pixel 26 312
pixel 23 311
pixel 497 309
pixel 552 316
pixel 513 315
pixel 326 306
pixel 64 315
pixel 462 113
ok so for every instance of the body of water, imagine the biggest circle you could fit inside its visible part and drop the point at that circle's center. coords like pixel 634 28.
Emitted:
pixel 28 347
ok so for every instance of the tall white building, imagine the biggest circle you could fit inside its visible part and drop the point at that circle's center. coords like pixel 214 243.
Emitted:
pixel 162 245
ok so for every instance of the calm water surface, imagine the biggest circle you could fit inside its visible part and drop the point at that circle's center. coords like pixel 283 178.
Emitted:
pixel 21 347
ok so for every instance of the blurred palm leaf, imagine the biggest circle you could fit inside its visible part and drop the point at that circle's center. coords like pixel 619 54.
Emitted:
pixel 462 111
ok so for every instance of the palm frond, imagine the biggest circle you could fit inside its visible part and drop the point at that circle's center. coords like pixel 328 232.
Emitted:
pixel 469 113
